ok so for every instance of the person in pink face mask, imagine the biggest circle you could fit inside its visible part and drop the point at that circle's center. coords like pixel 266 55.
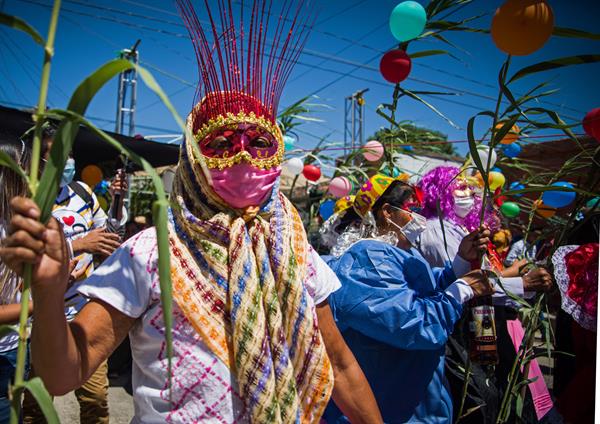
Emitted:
pixel 254 340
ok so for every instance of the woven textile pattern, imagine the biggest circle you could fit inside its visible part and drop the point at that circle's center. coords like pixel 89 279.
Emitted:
pixel 240 285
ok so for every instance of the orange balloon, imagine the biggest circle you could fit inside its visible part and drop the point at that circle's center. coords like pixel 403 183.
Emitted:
pixel 91 175
pixel 521 27
pixel 543 210
pixel 511 136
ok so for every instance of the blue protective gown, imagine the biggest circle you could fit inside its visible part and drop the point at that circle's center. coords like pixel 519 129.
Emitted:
pixel 396 319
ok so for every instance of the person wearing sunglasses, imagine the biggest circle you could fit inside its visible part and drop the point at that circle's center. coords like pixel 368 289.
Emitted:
pixel 395 311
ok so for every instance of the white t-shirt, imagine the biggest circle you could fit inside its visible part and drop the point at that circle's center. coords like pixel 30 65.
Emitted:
pixel 204 390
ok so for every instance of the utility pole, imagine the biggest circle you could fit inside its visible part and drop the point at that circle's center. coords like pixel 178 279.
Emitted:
pixel 126 100
pixel 354 120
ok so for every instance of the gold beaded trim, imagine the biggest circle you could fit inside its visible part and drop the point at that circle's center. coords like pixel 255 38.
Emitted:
pixel 247 118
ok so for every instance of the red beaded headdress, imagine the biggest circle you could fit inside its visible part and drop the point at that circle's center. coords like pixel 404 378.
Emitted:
pixel 250 55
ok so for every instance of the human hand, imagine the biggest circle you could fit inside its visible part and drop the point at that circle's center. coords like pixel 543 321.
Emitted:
pixel 479 282
pixel 31 242
pixel 537 280
pixel 474 245
pixel 119 183
pixel 98 242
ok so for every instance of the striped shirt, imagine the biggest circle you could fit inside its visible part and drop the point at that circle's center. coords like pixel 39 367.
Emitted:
pixel 78 218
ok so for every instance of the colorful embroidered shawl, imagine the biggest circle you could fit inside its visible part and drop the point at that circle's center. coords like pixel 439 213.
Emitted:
pixel 240 284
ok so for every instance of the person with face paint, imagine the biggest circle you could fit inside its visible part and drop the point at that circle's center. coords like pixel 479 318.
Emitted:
pixel 394 310
pixel 253 336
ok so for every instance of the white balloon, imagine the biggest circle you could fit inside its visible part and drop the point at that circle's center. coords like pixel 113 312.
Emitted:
pixel 484 153
pixel 294 165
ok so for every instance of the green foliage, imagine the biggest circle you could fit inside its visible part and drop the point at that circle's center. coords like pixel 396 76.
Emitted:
pixel 410 134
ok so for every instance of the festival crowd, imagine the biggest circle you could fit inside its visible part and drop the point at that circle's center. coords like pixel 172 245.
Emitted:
pixel 372 325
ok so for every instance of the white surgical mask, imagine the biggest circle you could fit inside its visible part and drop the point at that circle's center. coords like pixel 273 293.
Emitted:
pixel 413 228
pixel 463 205
pixel 68 172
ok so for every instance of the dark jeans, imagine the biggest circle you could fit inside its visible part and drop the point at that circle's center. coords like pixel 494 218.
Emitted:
pixel 8 361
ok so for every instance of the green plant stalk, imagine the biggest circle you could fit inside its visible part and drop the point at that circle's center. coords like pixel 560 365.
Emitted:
pixel 465 387
pixel 33 178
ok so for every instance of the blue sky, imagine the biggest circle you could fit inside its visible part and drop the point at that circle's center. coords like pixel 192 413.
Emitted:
pixel 342 57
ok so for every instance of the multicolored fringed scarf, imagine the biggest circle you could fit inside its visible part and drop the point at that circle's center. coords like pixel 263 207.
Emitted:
pixel 240 284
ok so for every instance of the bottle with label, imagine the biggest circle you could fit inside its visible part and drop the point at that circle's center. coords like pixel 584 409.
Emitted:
pixel 483 347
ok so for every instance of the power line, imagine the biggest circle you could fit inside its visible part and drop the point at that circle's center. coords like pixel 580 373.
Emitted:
pixel 36 68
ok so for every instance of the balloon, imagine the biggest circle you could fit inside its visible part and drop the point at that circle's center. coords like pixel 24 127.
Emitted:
pixel 288 142
pixel 495 180
pixel 511 150
pixel 408 148
pixel 340 187
pixel 595 202
pixel 496 169
pixel 543 210
pixel 516 186
pixel 326 209
pixel 591 123
pixel 483 151
pixel 294 165
pixel 511 136
pixel 91 175
pixel 510 209
pixel 559 199
pixel 311 173
pixel 407 20
pixel 521 27
pixel 373 151
pixel 395 66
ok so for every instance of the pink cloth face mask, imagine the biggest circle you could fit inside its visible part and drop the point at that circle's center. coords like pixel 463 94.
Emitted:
pixel 244 185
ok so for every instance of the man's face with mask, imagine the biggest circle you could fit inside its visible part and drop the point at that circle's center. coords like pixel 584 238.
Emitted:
pixel 464 199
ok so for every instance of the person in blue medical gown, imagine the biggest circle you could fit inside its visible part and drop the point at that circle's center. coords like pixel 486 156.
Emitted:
pixel 394 310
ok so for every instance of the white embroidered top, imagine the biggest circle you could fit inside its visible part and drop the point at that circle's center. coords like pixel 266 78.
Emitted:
pixel 204 390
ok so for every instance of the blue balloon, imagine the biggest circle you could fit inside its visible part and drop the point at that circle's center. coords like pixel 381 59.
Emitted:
pixel 593 203
pixel 408 148
pixel 512 150
pixel 559 199
pixel 288 142
pixel 326 209
pixel 496 169
pixel 407 20
pixel 516 186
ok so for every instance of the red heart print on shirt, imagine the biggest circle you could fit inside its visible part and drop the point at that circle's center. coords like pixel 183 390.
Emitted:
pixel 68 220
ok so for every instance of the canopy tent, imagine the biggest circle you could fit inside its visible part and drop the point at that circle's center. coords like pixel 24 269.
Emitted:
pixel 88 147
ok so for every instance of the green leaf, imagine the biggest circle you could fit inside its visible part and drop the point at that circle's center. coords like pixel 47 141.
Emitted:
pixel 574 33
pixel 473 143
pixel 21 25
pixel 35 386
pixel 160 212
pixel 7 161
pixel 555 63
pixel 425 53
pixel 429 105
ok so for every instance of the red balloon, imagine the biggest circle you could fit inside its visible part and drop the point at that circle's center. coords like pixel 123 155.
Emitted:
pixel 591 123
pixel 311 172
pixel 395 66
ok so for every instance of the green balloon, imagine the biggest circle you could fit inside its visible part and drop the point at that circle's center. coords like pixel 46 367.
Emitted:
pixel 595 202
pixel 510 209
pixel 407 20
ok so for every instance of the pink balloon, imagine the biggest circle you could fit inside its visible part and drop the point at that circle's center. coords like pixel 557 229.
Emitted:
pixel 340 187
pixel 373 151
